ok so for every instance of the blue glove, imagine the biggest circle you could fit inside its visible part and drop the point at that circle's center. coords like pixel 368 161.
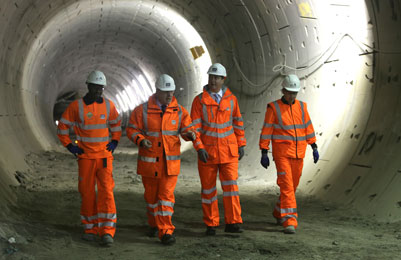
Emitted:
pixel 241 152
pixel 264 161
pixel 74 149
pixel 112 145
pixel 315 155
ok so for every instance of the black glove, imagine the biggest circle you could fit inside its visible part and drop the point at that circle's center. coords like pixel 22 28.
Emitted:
pixel 112 145
pixel 241 152
pixel 315 155
pixel 202 155
pixel 74 149
pixel 264 161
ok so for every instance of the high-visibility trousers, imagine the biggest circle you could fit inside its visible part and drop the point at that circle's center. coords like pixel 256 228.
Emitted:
pixel 228 174
pixel 98 212
pixel 289 172
pixel 159 196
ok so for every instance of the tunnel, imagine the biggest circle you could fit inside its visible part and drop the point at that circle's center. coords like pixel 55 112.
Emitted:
pixel 346 53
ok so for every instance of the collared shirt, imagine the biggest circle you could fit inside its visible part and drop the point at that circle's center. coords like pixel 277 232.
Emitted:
pixel 217 96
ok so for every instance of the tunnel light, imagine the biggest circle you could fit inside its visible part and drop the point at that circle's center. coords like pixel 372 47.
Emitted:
pixel 56 122
pixel 149 90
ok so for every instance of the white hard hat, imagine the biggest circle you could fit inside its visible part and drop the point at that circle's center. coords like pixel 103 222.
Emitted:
pixel 217 69
pixel 165 83
pixel 96 77
pixel 291 83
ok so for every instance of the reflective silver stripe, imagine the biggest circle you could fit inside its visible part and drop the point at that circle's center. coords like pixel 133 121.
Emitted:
pixel 145 116
pixel 303 113
pixel 147 159
pixel 268 125
pixel 218 135
pixel 231 111
pixel 155 134
pixel 218 126
pixel 204 110
pixel 92 139
pixel 308 123
pixel 161 213
pixel 115 129
pixel 209 190
pixel 172 157
pixel 206 201
pixel 65 121
pixel 162 203
pixel 197 143
pixel 166 203
pixel 107 224
pixel 232 182
pixel 81 110
pixel 266 137
pixel 283 219
pixel 288 127
pixel 179 119
pixel 288 210
pixel 185 128
pixel 63 132
pixel 310 135
pixel 89 226
pixel 107 108
pixel 170 133
pixel 90 218
pixel 281 173
pixel 240 127
pixel 132 126
pixel 115 121
pixel 239 119
pixel 196 121
pixel 92 127
pixel 230 193
pixel 107 215
pixel 280 120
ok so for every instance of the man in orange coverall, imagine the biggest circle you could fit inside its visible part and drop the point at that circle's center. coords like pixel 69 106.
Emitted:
pixel 216 115
pixel 155 127
pixel 288 126
pixel 91 117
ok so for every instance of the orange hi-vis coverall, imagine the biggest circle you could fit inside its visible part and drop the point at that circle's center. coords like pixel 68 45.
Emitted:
pixel 290 129
pixel 221 134
pixel 159 165
pixel 91 124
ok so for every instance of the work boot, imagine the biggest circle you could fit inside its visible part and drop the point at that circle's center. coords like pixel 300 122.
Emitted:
pixel 210 231
pixel 289 230
pixel 106 240
pixel 168 239
pixel 153 232
pixel 233 228
pixel 88 237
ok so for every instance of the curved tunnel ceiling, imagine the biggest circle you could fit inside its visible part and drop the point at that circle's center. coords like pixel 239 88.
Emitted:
pixel 345 52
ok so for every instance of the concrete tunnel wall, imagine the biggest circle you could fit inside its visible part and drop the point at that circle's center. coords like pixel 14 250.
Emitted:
pixel 347 55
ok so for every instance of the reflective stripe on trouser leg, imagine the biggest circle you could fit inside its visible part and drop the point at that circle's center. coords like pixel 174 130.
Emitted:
pixel 162 205
pixel 289 172
pixel 86 187
pixel 210 208
pixel 107 217
pixel 228 173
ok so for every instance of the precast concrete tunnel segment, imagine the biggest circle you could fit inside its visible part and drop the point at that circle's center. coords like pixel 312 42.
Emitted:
pixel 347 54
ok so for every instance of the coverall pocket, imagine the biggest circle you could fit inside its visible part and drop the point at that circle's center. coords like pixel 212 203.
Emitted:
pixel 233 150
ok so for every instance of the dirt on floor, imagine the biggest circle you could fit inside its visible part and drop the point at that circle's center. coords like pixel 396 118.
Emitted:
pixel 46 223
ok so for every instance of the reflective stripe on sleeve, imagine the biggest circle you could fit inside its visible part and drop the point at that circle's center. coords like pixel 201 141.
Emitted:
pixel 218 135
pixel 172 157
pixel 63 132
pixel 115 129
pixel 66 122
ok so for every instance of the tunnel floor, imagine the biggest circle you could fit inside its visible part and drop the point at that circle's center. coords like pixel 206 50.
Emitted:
pixel 46 223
